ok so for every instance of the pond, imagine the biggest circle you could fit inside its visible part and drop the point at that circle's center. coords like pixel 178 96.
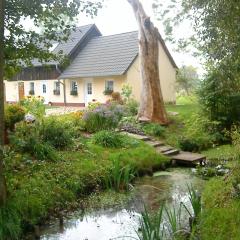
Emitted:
pixel 169 187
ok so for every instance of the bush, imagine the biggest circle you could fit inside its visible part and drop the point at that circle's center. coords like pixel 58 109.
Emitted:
pixel 34 106
pixel 154 129
pixel 219 96
pixel 116 97
pixel 103 117
pixel 27 139
pixel 14 113
pixel 132 107
pixel 113 139
pixel 198 134
pixel 58 134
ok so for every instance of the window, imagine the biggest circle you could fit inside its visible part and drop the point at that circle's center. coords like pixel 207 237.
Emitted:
pixel 56 90
pixel 44 88
pixel 89 88
pixel 74 88
pixel 109 85
pixel 31 88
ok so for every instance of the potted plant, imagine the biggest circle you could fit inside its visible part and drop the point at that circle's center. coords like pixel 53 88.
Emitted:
pixel 56 92
pixel 74 92
pixel 108 91
pixel 31 92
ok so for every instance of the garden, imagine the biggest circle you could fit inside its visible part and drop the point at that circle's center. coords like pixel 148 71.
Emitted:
pixel 55 164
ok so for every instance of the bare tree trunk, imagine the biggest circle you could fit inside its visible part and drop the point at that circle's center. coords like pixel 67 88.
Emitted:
pixel 151 104
pixel 3 190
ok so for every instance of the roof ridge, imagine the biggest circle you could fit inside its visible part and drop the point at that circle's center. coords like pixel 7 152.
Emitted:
pixel 116 34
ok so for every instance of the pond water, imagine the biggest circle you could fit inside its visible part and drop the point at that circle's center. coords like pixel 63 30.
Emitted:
pixel 122 222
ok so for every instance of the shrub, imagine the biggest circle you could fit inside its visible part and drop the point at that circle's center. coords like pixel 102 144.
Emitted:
pixel 34 105
pixel 126 92
pixel 57 133
pixel 13 113
pixel 109 139
pixel 154 129
pixel 27 139
pixel 103 117
pixel 219 97
pixel 198 134
pixel 132 107
pixel 116 97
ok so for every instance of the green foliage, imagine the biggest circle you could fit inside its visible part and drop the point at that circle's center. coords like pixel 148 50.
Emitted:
pixel 132 107
pixel 56 20
pixel 150 226
pixel 220 218
pixel 126 92
pixel 219 98
pixel 34 106
pixel 112 139
pixel 14 113
pixel 57 133
pixel 154 129
pixel 119 177
pixel 44 188
pixel 195 200
pixel 187 79
pixel 27 139
pixel 198 134
pixel 103 117
pixel 9 222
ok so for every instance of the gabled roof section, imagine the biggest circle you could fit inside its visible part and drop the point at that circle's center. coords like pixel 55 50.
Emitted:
pixel 67 48
pixel 104 56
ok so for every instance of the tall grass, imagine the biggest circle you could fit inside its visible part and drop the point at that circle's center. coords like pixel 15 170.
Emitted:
pixel 10 222
pixel 150 226
pixel 173 218
pixel 195 200
pixel 119 177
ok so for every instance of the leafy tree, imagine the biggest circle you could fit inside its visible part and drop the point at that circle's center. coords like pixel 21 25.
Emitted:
pixel 187 79
pixel 19 46
pixel 215 33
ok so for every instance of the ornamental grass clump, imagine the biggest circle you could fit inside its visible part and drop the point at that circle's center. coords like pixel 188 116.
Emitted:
pixel 103 117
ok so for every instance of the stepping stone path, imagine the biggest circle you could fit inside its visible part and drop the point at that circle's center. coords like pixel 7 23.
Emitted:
pixel 176 156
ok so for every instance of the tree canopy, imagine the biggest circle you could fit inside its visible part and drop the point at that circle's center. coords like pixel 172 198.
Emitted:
pixel 187 79
pixel 55 18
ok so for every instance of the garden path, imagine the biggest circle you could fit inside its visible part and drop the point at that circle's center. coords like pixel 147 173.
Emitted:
pixel 176 156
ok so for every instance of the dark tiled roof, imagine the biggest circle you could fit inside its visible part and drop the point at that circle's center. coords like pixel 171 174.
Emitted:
pixel 104 56
pixel 66 48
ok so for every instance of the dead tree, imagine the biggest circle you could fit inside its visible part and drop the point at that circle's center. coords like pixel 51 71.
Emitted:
pixel 151 104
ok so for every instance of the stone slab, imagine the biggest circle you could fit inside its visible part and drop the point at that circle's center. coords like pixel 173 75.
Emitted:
pixel 163 149
pixel 138 137
pixel 189 157
pixel 155 143
pixel 171 152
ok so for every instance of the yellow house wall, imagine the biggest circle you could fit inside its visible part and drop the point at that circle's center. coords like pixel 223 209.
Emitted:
pixel 167 74
pixel 132 77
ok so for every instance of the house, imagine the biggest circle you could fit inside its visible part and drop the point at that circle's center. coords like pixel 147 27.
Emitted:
pixel 97 63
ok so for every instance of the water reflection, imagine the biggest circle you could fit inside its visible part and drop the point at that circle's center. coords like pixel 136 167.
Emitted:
pixel 122 223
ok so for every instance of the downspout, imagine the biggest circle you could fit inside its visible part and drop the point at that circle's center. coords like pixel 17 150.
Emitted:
pixel 64 86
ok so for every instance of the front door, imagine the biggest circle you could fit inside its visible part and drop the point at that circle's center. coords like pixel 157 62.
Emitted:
pixel 44 91
pixel 21 91
pixel 88 92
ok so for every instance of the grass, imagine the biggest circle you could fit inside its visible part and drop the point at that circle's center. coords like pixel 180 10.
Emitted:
pixel 42 188
pixel 185 108
pixel 220 219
